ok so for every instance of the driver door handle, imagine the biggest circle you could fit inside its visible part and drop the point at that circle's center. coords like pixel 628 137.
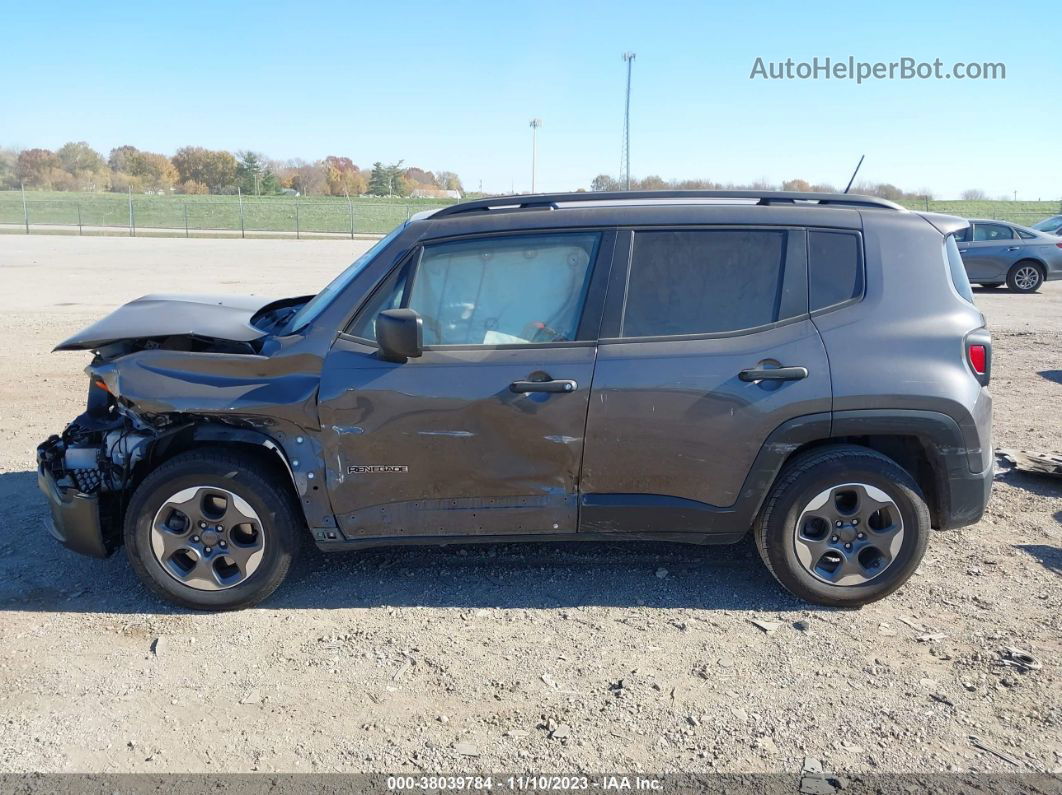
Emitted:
pixel 774 374
pixel 521 387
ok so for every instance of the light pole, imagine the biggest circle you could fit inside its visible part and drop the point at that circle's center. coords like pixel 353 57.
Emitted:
pixel 628 58
pixel 535 124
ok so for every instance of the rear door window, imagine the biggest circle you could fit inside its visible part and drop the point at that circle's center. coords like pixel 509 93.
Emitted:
pixel 989 232
pixel 704 281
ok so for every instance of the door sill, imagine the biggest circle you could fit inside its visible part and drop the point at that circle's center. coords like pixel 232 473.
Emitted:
pixel 339 545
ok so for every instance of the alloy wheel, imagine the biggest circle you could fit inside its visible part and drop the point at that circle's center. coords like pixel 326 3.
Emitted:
pixel 1027 277
pixel 848 534
pixel 207 538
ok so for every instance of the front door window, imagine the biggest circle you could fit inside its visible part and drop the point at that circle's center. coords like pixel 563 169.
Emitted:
pixel 503 291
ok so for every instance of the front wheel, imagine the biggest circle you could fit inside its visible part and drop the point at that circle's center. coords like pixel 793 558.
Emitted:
pixel 207 530
pixel 843 526
pixel 1025 277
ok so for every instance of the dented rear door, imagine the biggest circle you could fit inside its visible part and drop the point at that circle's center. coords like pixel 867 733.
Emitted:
pixel 707 347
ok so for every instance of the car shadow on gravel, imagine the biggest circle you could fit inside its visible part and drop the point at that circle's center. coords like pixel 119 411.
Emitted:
pixel 1039 483
pixel 37 574
pixel 1050 557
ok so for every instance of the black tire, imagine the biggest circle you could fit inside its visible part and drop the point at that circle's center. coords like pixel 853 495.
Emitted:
pixel 1020 285
pixel 244 477
pixel 808 475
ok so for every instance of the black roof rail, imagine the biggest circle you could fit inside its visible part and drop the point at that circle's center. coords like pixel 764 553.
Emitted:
pixel 551 201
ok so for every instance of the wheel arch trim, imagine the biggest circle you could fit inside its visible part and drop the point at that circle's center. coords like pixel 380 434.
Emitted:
pixel 308 490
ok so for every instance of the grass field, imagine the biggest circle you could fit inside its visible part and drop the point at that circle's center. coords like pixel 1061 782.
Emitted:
pixel 1026 213
pixel 284 214
pixel 321 214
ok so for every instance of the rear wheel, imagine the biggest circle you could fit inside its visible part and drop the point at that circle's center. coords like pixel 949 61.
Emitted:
pixel 1025 277
pixel 843 526
pixel 207 530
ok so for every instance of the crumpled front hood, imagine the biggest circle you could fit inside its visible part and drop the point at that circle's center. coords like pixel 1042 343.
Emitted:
pixel 225 317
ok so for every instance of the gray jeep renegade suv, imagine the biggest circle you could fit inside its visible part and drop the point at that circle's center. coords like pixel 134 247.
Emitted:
pixel 680 366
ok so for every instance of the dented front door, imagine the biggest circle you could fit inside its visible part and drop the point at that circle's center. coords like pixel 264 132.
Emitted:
pixel 443 445
pixel 482 434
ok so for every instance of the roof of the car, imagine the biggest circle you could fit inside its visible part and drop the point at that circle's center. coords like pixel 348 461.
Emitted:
pixel 671 208
pixel 642 208
pixel 556 201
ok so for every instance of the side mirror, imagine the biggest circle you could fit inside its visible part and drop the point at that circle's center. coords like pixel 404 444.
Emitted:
pixel 400 334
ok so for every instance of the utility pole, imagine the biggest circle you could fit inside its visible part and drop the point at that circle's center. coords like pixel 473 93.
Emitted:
pixel 132 219
pixel 625 177
pixel 535 124
pixel 25 207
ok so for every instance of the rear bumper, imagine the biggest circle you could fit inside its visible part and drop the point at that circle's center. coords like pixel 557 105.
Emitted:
pixel 967 495
pixel 75 517
pixel 962 464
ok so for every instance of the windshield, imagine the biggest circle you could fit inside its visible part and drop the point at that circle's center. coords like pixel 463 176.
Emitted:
pixel 312 308
pixel 1048 224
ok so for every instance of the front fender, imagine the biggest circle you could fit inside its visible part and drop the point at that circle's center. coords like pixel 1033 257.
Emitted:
pixel 298 450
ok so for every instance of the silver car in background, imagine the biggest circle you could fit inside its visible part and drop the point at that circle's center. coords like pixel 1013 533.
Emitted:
pixel 1052 225
pixel 997 252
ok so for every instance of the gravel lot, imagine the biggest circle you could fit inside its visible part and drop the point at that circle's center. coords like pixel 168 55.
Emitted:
pixel 563 658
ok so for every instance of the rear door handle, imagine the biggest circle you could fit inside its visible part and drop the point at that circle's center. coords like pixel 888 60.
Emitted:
pixel 1014 248
pixel 521 387
pixel 774 374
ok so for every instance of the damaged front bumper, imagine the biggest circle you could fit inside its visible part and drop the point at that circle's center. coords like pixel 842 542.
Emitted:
pixel 85 473
pixel 75 515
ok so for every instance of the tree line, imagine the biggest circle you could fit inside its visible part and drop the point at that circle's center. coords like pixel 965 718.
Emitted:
pixel 884 190
pixel 76 166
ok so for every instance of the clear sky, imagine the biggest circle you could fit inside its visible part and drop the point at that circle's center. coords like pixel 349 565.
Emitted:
pixel 452 85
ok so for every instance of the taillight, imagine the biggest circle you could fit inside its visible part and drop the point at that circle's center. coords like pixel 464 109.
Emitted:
pixel 979 355
pixel 1059 245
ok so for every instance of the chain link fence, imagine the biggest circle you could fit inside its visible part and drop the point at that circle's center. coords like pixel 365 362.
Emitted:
pixel 206 216
pixel 284 216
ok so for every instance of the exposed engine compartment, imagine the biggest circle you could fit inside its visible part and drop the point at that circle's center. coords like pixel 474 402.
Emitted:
pixel 170 373
pixel 188 343
pixel 96 455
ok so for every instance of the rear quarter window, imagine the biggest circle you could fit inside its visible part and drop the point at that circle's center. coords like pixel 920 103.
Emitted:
pixel 953 259
pixel 835 268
